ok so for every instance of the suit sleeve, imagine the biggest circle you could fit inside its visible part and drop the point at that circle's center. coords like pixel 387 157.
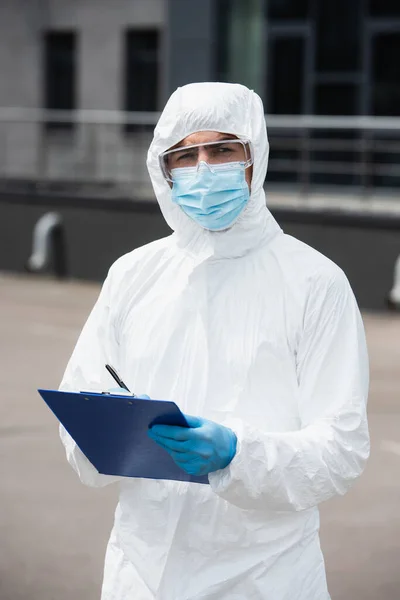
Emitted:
pixel 296 470
pixel 96 346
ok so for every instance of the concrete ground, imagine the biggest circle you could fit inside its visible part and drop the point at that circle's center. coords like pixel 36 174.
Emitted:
pixel 53 530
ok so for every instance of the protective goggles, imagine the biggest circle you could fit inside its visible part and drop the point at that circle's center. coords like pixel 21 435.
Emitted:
pixel 213 153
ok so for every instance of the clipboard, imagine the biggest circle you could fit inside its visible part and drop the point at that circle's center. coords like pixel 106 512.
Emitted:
pixel 111 431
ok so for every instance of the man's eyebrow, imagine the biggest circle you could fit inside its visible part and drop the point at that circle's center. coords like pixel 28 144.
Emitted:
pixel 226 136
pixel 221 137
pixel 224 141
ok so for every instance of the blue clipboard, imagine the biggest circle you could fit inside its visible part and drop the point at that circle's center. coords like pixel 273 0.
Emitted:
pixel 111 431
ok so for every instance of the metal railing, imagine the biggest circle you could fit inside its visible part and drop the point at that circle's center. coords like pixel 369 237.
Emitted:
pixel 104 152
pixel 357 153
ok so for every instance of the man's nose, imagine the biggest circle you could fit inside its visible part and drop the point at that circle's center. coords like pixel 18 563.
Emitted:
pixel 203 155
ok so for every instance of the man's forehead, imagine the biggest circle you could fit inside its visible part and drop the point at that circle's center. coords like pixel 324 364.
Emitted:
pixel 202 137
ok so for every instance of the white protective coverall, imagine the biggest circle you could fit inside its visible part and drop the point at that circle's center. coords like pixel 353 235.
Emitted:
pixel 250 328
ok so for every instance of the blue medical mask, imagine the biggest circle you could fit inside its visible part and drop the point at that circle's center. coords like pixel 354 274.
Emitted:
pixel 213 196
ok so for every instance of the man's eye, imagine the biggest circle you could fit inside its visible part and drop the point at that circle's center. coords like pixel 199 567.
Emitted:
pixel 186 156
pixel 224 149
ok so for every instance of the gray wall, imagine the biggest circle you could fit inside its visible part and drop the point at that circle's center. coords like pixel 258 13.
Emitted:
pixel 99 231
pixel 20 25
pixel 20 80
pixel 95 236
pixel 100 24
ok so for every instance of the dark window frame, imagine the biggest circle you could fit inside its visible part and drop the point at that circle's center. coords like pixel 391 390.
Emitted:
pixel 287 31
pixel 385 90
pixel 382 13
pixel 282 16
pixel 60 60
pixel 327 59
pixel 148 98
pixel 373 27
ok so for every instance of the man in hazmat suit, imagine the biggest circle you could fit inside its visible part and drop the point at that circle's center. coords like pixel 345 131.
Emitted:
pixel 258 339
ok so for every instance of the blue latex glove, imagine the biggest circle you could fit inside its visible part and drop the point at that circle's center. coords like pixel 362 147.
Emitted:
pixel 199 449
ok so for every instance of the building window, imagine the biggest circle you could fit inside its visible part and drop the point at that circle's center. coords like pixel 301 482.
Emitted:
pixel 338 33
pixel 60 73
pixel 384 8
pixel 336 99
pixel 386 75
pixel 285 75
pixel 141 70
pixel 288 10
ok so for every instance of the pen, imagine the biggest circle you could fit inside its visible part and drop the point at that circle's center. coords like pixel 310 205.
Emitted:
pixel 117 378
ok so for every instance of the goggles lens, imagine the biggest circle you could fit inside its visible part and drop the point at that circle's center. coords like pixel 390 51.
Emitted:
pixel 213 153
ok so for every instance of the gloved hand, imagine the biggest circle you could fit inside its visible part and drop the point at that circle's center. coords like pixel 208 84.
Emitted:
pixel 199 449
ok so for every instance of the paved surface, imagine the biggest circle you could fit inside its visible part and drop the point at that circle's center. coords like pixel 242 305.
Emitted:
pixel 53 530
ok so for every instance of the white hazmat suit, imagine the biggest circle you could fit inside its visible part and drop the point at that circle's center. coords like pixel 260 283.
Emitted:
pixel 250 328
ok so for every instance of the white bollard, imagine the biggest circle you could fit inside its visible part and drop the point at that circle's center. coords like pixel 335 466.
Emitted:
pixel 394 294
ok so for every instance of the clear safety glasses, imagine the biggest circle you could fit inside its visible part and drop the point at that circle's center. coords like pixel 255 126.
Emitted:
pixel 213 153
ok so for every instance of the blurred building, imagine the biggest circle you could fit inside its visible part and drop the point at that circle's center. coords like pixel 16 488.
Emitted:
pixel 326 57
pixel 304 57
pixel 65 55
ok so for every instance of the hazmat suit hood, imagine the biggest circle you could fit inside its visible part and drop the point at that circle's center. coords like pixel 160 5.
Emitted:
pixel 226 108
